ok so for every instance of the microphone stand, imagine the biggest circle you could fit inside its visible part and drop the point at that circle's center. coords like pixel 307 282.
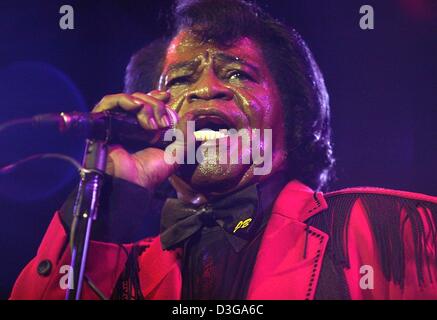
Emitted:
pixel 85 212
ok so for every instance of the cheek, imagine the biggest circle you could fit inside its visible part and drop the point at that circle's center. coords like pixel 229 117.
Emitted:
pixel 266 112
pixel 272 103
pixel 261 105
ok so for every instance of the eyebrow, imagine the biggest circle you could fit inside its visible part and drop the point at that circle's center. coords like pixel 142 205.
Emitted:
pixel 184 64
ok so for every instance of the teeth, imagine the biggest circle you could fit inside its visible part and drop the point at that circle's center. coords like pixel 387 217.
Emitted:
pixel 208 134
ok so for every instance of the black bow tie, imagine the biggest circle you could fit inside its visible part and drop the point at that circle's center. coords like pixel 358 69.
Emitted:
pixel 235 214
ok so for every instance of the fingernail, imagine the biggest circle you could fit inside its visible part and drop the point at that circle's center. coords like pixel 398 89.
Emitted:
pixel 165 121
pixel 153 123
pixel 173 116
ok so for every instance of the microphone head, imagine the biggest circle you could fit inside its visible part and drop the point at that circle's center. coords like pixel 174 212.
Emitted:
pixel 114 127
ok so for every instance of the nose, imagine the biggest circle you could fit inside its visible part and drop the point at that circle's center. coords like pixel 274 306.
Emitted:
pixel 209 87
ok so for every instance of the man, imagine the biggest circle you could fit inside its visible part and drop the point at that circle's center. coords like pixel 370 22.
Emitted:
pixel 232 234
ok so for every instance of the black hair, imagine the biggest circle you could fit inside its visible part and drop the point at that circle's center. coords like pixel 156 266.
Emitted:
pixel 297 75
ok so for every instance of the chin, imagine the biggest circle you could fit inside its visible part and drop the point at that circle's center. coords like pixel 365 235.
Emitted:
pixel 213 178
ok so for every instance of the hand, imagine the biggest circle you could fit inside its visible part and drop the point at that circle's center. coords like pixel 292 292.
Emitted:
pixel 147 167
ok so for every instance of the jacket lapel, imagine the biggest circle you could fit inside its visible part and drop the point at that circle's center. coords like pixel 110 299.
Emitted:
pixel 288 262
pixel 291 253
pixel 160 275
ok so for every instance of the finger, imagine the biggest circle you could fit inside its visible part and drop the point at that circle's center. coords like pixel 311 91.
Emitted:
pixel 160 95
pixel 156 100
pixel 159 108
pixel 174 118
pixel 120 164
pixel 124 101
pixel 146 118
pixel 165 97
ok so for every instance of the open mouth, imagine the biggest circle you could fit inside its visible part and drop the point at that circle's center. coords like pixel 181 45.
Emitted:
pixel 210 127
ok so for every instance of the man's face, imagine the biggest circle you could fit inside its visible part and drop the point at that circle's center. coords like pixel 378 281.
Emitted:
pixel 223 88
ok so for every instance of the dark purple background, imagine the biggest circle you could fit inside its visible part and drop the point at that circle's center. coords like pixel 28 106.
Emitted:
pixel 382 83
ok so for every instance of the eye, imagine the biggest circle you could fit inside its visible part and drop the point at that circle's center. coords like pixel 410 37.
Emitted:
pixel 239 75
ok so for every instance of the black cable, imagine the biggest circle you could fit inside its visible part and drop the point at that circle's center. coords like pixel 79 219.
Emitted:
pixel 10 167
pixel 95 289
pixel 15 122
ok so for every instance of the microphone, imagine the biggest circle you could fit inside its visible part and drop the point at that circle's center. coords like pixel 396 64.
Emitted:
pixel 112 127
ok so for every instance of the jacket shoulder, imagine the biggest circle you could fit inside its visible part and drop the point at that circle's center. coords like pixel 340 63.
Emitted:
pixel 389 193
pixel 387 212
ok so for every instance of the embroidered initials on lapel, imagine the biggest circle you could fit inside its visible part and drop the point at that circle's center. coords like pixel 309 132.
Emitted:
pixel 242 224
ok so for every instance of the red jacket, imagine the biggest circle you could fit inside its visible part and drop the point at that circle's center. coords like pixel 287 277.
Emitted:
pixel 291 255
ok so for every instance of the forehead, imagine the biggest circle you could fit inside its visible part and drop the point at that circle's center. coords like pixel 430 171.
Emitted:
pixel 185 47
